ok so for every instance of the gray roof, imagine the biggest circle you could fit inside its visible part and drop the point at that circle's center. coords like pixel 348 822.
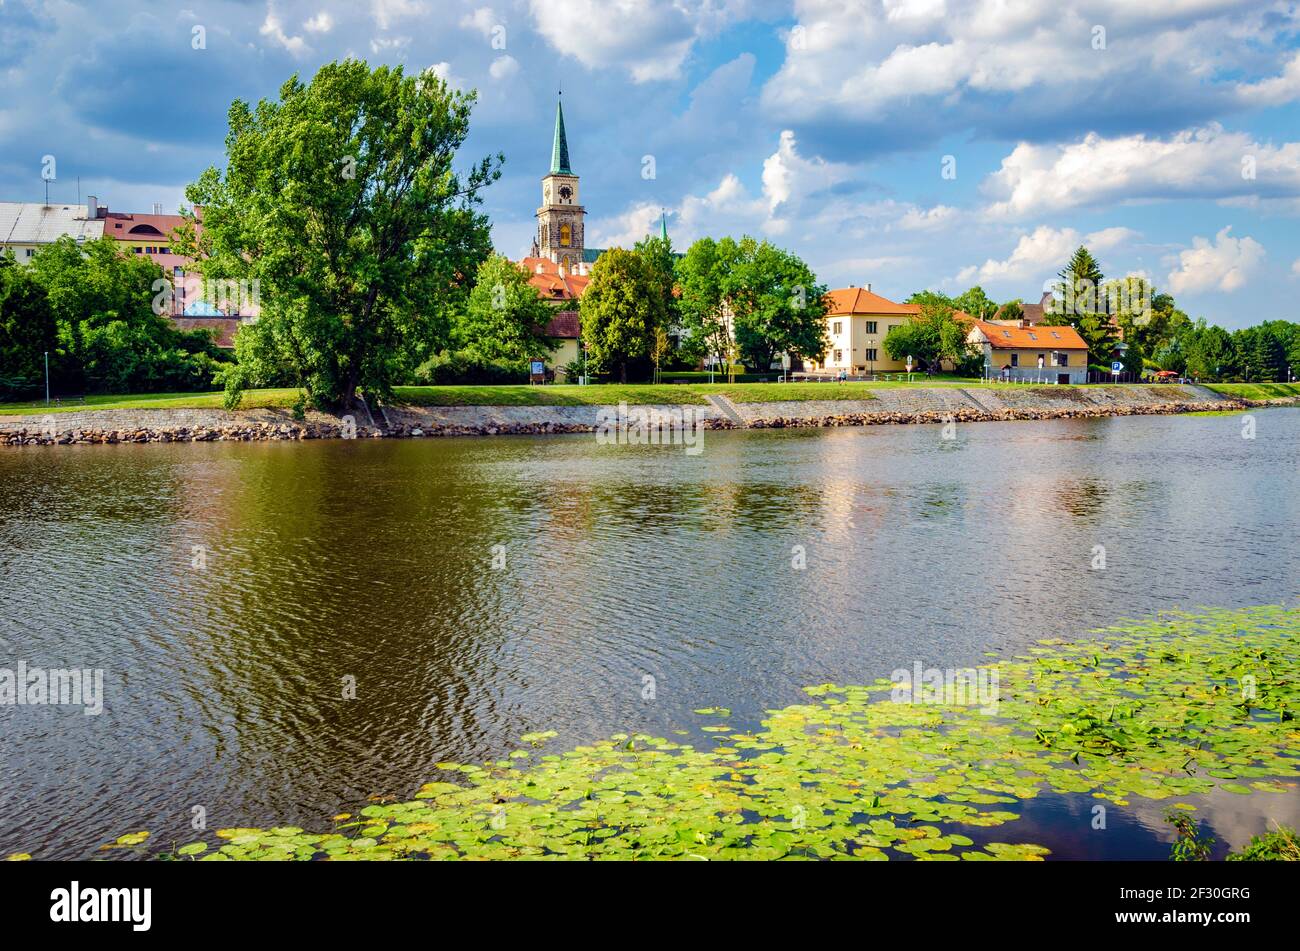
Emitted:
pixel 29 222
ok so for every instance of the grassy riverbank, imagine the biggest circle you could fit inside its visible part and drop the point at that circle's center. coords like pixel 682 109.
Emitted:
pixel 600 394
pixel 1162 709
pixel 1256 391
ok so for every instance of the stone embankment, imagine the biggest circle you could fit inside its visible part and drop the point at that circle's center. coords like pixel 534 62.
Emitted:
pixel 896 406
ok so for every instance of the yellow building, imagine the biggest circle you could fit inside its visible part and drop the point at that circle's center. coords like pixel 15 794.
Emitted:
pixel 856 324
pixel 1018 350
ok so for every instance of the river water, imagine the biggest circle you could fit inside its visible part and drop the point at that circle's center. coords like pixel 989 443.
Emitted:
pixel 467 591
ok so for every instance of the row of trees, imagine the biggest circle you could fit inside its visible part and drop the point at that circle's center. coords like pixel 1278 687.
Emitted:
pixel 732 300
pixel 91 309
pixel 1125 319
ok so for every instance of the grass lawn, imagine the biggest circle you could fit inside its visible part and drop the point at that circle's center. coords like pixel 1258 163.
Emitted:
pixel 600 394
pixel 1256 391
pixel 253 399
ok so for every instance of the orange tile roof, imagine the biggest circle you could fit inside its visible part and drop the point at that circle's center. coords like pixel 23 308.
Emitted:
pixel 1040 337
pixel 550 284
pixel 859 300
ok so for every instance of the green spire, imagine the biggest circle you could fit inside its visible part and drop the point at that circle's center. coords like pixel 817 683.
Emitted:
pixel 560 148
pixel 663 224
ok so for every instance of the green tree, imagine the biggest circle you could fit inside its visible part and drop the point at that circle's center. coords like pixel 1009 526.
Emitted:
pixel 1081 304
pixel 703 275
pixel 505 318
pixel 27 329
pixel 621 309
pixel 1011 310
pixel 342 202
pixel 976 303
pixel 657 252
pixel 112 335
pixel 1080 287
pixel 933 336
pixel 777 305
pixel 1211 355
pixel 931 297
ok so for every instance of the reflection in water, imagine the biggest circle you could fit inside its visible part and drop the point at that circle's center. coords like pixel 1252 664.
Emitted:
pixel 372 562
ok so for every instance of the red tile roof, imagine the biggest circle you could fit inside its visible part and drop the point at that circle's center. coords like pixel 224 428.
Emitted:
pixel 549 282
pixel 1015 337
pixel 565 325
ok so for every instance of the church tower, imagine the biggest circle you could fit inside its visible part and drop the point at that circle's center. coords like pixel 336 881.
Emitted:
pixel 559 219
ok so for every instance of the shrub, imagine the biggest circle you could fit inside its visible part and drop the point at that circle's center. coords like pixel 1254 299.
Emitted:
pixel 467 368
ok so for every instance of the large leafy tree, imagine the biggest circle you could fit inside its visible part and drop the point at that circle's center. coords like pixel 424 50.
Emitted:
pixel 933 336
pixel 505 318
pixel 621 310
pixel 703 275
pixel 978 304
pixel 760 297
pixel 777 304
pixel 342 201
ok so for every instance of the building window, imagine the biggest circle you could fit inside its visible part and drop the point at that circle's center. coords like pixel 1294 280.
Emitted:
pixel 1060 359
pixel 1015 359
pixel 138 249
pixel 837 328
pixel 566 235
pixel 839 356
pixel 30 252
pixel 871 355
pixel 871 326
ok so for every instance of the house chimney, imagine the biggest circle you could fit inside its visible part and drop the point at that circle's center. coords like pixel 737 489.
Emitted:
pixel 157 208
pixel 852 286
pixel 92 207
pixel 868 287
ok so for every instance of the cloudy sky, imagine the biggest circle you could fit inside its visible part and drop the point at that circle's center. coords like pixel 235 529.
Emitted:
pixel 905 143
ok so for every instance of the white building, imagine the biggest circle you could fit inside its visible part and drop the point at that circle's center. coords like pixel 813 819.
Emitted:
pixel 28 226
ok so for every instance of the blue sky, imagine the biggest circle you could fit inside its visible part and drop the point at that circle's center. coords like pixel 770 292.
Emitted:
pixel 1164 135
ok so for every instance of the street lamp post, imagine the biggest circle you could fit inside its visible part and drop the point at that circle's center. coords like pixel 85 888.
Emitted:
pixel 47 378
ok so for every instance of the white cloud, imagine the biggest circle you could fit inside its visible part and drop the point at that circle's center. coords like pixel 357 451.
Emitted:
pixel 788 177
pixel 1275 91
pixel 381 45
pixel 649 38
pixel 503 67
pixel 483 19
pixel 1041 254
pixel 929 219
pixel 271 27
pixel 320 23
pixel 890 64
pixel 1295 267
pixel 1206 162
pixel 1224 264
pixel 388 12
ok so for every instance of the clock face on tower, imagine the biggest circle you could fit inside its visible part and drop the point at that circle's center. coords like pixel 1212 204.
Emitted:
pixel 566 192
